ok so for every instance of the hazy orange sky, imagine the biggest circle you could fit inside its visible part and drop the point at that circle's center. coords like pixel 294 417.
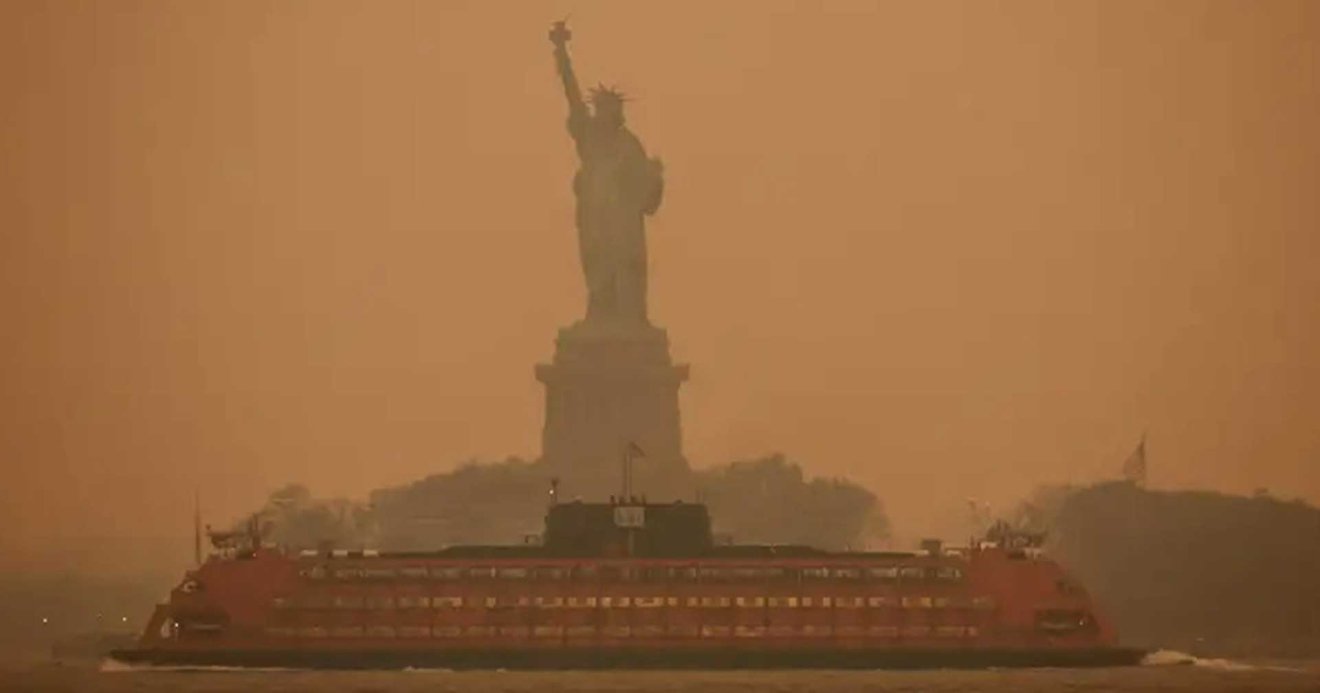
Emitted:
pixel 946 249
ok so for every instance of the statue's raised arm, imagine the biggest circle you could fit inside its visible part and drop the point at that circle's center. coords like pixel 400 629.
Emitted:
pixel 577 107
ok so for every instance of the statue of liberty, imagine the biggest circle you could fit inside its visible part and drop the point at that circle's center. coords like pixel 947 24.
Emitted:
pixel 616 187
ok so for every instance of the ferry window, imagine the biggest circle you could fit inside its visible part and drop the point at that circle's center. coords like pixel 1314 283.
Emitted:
pixel 447 631
pixel 983 602
pixel 648 602
pixel 916 631
pixel 447 573
pixel 580 602
pixel 347 573
pixel 616 574
pixel 655 574
pixel 282 603
pixel 883 573
pixel 846 573
pixel 414 631
pixel 315 572
pixel 685 574
pixel 912 572
pixel 413 572
pixel 917 602
pixel 1062 620
pixel 345 601
pixel 481 573
pixel 346 632
pixel 754 602
pixel 379 573
pixel 949 631
pixel 412 602
pixel 315 601
pixel 948 573
pixel 313 632
pixel 551 573
pixel 445 602
pixel 877 602
pixel 940 602
pixel 480 631
pixel 381 632
pixel 713 574
pixel 383 601
pixel 585 572
pixel 549 602
pixel 512 573
pixel 580 631
pixel 815 573
pixel 671 601
pixel 849 602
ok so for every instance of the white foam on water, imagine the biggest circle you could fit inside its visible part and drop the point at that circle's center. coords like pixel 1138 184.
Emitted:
pixel 1160 658
pixel 109 665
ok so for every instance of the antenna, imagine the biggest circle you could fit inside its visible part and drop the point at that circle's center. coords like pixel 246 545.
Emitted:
pixel 197 526
pixel 630 451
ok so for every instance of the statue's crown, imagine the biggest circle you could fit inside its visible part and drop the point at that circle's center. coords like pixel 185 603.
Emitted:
pixel 602 94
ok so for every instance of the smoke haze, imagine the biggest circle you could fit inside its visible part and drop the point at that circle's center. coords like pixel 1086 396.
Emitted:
pixel 945 250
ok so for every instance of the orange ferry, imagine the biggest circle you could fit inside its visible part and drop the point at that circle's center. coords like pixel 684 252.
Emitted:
pixel 629 584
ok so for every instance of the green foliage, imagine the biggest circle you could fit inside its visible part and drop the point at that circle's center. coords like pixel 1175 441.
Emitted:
pixel 757 501
pixel 1197 570
pixel 770 501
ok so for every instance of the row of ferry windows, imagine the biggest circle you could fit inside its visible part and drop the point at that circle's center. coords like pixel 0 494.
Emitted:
pixel 685 631
pixel 707 602
pixel 649 574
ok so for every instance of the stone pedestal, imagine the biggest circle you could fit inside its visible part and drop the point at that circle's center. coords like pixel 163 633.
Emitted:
pixel 609 385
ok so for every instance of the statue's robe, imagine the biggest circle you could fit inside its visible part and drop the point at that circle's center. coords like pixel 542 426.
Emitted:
pixel 616 187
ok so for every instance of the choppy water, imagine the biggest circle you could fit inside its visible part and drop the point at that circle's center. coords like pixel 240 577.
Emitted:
pixel 1163 671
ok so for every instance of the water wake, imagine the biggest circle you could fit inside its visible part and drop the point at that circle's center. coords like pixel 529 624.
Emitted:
pixel 1160 658
pixel 109 665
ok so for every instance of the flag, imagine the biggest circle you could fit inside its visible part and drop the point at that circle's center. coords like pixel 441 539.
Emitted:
pixel 1134 469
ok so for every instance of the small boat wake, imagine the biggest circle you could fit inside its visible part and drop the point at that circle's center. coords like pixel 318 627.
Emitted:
pixel 113 666
pixel 1164 658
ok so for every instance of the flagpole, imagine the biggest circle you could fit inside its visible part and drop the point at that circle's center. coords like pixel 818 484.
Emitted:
pixel 197 526
pixel 627 469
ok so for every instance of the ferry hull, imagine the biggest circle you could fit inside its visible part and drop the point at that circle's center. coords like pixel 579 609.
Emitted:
pixel 668 658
